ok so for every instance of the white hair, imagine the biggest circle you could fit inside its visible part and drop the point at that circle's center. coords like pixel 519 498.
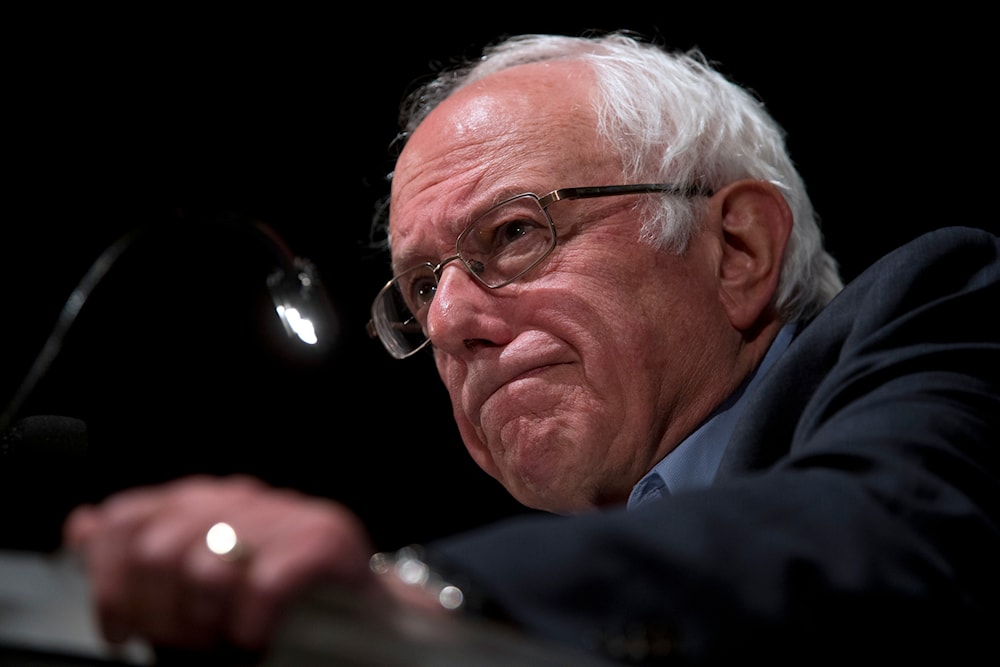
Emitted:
pixel 673 118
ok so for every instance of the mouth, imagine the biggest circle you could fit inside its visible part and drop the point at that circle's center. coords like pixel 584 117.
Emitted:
pixel 505 385
pixel 531 355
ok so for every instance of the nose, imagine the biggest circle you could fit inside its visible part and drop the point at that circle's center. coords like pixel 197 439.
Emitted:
pixel 463 311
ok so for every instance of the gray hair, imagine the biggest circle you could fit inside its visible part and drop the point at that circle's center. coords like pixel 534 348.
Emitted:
pixel 673 118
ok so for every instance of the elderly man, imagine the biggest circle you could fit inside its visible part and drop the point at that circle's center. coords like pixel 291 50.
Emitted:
pixel 616 267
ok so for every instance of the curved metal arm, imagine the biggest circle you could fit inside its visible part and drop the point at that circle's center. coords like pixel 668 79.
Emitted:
pixel 294 285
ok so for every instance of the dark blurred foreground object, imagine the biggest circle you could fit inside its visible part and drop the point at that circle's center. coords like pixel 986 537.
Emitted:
pixel 46 619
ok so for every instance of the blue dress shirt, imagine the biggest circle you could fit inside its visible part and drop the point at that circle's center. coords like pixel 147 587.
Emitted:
pixel 694 462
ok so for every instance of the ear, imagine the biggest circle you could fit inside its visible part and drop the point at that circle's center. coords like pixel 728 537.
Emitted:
pixel 756 224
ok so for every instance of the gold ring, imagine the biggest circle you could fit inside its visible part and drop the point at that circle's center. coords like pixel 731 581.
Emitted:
pixel 222 541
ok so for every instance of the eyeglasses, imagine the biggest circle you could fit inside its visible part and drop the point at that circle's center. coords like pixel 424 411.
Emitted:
pixel 497 248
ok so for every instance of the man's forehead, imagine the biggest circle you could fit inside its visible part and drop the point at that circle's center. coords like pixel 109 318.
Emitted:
pixel 526 129
pixel 530 101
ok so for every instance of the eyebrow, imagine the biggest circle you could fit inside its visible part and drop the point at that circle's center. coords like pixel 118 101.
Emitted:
pixel 409 259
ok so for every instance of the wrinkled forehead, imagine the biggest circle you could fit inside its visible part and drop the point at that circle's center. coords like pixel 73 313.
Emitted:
pixel 531 128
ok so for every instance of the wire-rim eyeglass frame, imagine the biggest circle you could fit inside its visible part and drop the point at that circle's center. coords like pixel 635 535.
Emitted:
pixel 403 337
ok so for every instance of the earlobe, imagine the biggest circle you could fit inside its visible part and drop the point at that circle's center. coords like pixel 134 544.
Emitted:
pixel 756 224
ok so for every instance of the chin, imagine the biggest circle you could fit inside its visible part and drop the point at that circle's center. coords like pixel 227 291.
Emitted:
pixel 538 495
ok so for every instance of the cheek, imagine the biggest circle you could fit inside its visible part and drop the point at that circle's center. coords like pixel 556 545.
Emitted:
pixel 654 333
pixel 453 374
pixel 609 319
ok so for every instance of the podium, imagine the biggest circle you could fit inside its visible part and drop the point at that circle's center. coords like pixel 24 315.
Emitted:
pixel 46 619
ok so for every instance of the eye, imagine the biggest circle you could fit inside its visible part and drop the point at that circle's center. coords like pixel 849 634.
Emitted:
pixel 415 289
pixel 512 231
pixel 506 240
pixel 420 291
pixel 503 232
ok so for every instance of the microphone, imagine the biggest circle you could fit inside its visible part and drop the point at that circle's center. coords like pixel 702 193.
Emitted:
pixel 44 437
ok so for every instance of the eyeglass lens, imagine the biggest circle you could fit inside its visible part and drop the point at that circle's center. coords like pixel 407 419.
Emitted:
pixel 496 248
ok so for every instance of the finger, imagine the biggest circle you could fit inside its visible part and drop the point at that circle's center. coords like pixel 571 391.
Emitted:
pixel 79 524
pixel 159 608
pixel 209 586
pixel 182 591
pixel 106 541
pixel 134 545
pixel 320 541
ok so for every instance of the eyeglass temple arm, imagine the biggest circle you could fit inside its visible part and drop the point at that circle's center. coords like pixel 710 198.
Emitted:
pixel 637 188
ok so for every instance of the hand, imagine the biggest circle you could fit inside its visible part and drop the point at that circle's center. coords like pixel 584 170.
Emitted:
pixel 153 576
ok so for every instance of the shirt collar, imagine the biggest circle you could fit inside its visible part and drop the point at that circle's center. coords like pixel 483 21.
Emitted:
pixel 694 462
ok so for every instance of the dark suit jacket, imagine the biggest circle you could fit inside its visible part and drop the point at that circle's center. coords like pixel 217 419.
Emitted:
pixel 856 513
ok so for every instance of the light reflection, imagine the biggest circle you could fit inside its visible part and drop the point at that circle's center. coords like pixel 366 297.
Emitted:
pixel 302 327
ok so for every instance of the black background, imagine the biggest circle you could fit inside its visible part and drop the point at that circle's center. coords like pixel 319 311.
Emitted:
pixel 124 120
